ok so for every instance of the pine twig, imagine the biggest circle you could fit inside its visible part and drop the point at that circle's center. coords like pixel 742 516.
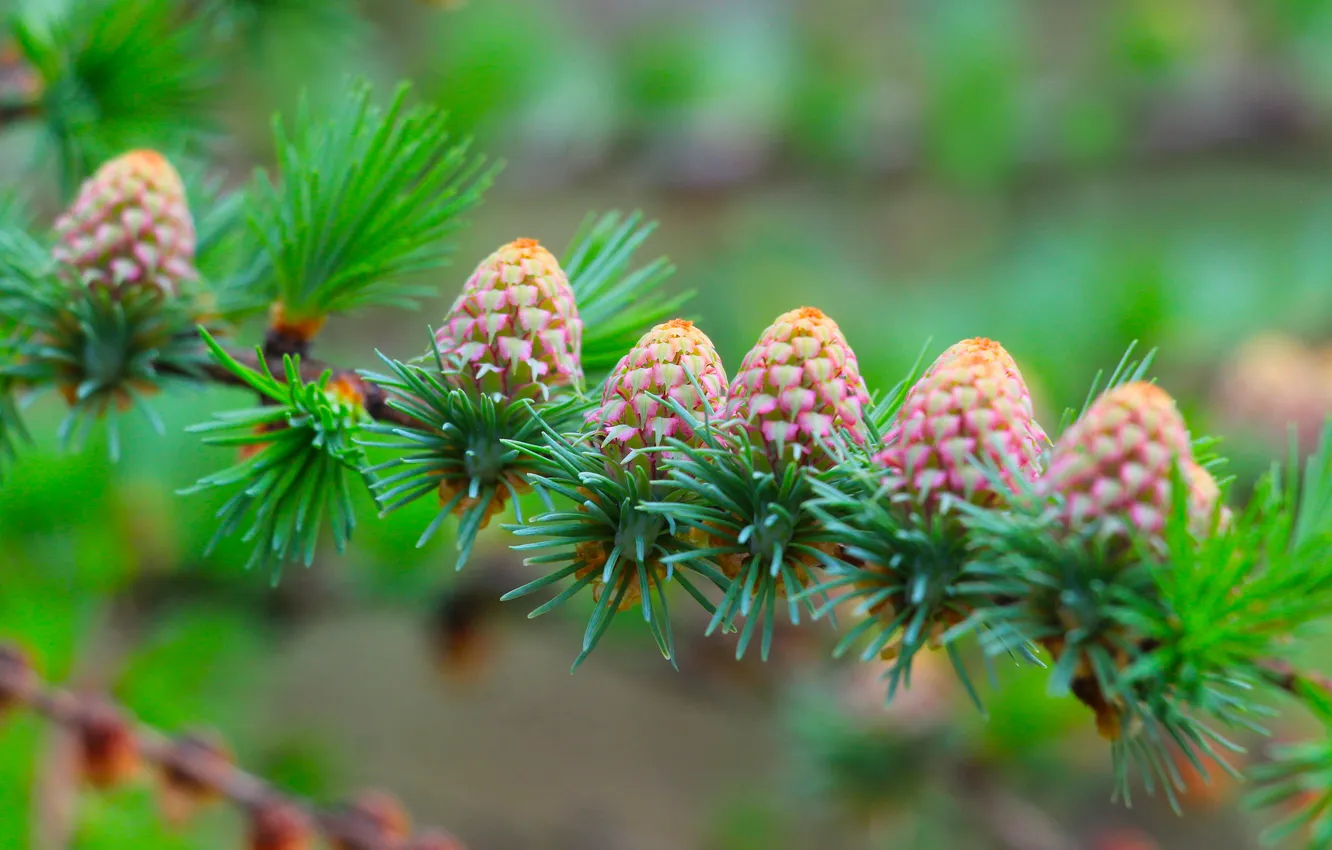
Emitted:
pixel 362 825
pixel 376 399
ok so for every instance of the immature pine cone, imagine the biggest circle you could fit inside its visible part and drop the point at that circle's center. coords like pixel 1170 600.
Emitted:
pixel 514 331
pixel 660 365
pixel 1113 466
pixel 971 404
pixel 130 226
pixel 797 387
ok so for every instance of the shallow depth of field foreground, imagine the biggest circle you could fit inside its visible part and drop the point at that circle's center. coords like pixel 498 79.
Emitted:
pixel 586 425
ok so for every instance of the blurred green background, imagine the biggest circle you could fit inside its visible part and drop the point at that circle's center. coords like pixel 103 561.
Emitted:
pixel 1064 176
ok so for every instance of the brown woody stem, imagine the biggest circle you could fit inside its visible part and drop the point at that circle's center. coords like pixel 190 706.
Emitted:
pixel 375 398
pixel 289 334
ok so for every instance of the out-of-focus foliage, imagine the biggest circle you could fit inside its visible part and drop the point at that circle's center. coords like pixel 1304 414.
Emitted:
pixel 115 74
pixel 1065 177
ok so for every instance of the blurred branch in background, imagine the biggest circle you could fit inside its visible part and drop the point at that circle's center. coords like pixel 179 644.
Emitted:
pixel 195 770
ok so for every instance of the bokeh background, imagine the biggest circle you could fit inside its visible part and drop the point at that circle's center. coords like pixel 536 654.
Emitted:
pixel 1064 176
